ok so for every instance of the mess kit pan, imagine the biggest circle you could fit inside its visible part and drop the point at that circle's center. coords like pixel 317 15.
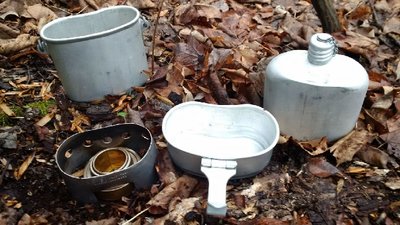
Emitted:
pixel 220 142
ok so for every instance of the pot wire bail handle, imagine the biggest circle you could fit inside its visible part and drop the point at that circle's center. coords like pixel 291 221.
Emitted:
pixel 218 173
pixel 41 46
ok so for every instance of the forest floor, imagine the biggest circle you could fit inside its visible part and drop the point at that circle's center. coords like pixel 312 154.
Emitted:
pixel 212 51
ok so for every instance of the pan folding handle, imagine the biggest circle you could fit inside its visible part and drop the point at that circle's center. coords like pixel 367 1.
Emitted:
pixel 218 172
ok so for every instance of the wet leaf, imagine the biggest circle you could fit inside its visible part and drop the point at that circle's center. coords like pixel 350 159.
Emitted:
pixel 345 149
pixel 374 156
pixel 321 168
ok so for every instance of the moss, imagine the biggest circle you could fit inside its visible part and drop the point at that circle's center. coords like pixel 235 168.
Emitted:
pixel 42 106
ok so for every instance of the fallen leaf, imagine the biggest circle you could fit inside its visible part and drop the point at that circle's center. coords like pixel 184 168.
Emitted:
pixel 23 167
pixel 196 13
pixel 7 32
pixel 165 168
pixel 6 109
pixel 39 11
pixel 180 188
pixel 134 117
pixel 44 120
pixel 345 149
pixel 264 221
pixel 393 140
pixel 179 211
pixel 272 182
pixel 357 170
pixel 109 221
pixel 393 183
pixel 315 147
pixel 142 4
pixel 321 168
pixel 374 156
pixel 11 7
pixel 8 46
pixel 190 54
pixel 392 25
pixel 384 102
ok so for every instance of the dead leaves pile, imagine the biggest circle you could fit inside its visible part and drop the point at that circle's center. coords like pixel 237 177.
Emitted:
pixel 215 51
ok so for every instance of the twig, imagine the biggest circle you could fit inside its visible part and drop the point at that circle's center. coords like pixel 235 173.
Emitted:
pixel 3 173
pixel 217 89
pixel 136 216
pixel 160 5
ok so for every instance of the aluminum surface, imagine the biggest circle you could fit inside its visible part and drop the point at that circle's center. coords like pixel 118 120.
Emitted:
pixel 313 94
pixel 97 53
pixel 74 153
pixel 244 134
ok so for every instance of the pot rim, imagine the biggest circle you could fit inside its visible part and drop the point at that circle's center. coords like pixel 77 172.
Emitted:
pixel 249 106
pixel 92 35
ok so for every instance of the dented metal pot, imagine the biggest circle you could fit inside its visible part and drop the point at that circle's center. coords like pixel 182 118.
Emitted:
pixel 114 160
pixel 220 142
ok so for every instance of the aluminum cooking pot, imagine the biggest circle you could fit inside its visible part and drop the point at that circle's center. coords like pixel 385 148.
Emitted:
pixel 220 142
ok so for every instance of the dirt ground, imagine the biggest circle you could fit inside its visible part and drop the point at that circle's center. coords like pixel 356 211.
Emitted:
pixel 212 51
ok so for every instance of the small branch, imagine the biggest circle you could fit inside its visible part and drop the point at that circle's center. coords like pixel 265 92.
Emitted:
pixel 327 15
pixel 217 89
pixel 136 216
pixel 160 5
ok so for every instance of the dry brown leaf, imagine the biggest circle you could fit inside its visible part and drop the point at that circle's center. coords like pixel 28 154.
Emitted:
pixel 393 183
pixel 246 56
pixel 392 25
pixel 272 182
pixel 34 219
pixel 196 13
pixel 357 43
pixel 9 46
pixel 177 214
pixel 321 168
pixel 374 157
pixel 393 140
pixel 109 221
pixel 23 167
pixel 180 188
pixel 11 7
pixel 384 102
pixel 315 147
pixel 7 32
pixel 142 4
pixel 134 117
pixel 39 11
pixel 165 168
pixel 45 119
pixel 345 149
pixel 6 109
